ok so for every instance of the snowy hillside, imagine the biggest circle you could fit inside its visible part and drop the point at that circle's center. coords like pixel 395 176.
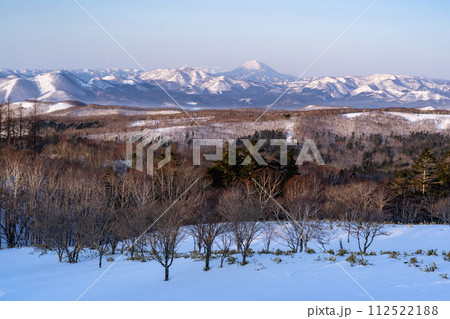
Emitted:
pixel 43 108
pixel 31 274
pixel 385 88
pixel 440 121
pixel 254 84
pixel 192 81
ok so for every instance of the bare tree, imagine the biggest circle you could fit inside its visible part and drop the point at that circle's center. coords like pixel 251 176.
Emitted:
pixel 369 221
pixel 33 131
pixel 212 226
pixel 14 217
pixel 224 244
pixel 81 199
pixel 245 215
pixel 10 122
pixel 196 231
pixel 179 194
pixel 442 211
pixel 268 186
pixel 100 230
pixel 302 199
pixel 302 224
pixel 353 201
pixel 36 175
pixel 269 233
pixel 133 196
pixel 21 126
pixel 166 234
pixel 54 222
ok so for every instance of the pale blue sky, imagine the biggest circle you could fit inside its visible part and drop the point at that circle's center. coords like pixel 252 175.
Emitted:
pixel 396 36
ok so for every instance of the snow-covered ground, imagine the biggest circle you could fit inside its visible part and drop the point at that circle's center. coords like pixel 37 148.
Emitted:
pixel 43 108
pixel 29 274
pixel 322 107
pixel 441 121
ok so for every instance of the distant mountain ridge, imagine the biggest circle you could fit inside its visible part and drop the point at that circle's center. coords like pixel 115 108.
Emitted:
pixel 254 84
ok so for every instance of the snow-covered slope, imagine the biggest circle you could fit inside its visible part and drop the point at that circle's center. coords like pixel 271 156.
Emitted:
pixel 381 88
pixel 49 86
pixel 374 121
pixel 18 89
pixel 253 84
pixel 63 85
pixel 28 274
pixel 440 120
pixel 43 108
pixel 193 81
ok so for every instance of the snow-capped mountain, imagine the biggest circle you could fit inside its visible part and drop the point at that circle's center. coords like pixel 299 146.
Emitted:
pixel 254 84
pixel 192 81
pixel 62 85
pixel 385 89
pixel 258 72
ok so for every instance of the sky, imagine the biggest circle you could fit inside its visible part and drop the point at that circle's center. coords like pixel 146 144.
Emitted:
pixel 408 37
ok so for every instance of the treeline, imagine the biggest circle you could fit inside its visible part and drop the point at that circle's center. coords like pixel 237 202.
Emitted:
pixel 421 193
pixel 375 155
pixel 19 127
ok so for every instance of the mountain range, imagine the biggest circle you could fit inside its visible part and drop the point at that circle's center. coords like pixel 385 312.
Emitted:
pixel 254 84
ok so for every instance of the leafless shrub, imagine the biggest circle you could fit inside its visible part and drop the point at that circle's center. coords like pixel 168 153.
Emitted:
pixel 245 216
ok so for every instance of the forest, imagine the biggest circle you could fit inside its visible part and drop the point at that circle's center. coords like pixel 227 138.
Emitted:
pixel 68 193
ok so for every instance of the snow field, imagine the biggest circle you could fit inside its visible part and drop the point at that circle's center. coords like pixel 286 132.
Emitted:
pixel 30 274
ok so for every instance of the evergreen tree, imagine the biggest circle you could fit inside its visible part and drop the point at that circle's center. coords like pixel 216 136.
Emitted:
pixel 425 173
pixel 400 185
pixel 443 168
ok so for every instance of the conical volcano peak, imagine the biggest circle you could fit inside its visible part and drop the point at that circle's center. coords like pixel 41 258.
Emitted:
pixel 257 71
pixel 253 65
